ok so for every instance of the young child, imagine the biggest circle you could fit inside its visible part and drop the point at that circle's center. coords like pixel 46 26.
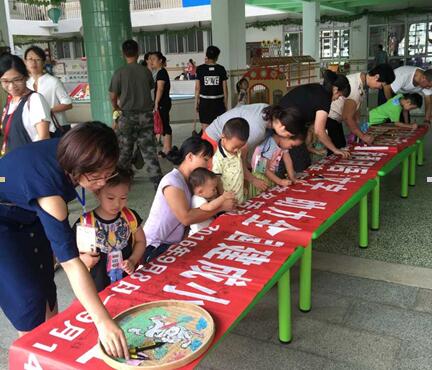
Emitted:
pixel 119 235
pixel 314 146
pixel 211 91
pixel 227 160
pixel 242 87
pixel 204 184
pixel 391 110
pixel 266 159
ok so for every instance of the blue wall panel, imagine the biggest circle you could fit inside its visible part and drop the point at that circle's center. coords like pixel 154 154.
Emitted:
pixel 187 3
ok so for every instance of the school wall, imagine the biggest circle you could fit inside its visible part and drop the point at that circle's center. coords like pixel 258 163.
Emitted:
pixel 258 35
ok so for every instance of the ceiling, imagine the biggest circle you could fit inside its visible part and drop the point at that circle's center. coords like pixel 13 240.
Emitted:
pixel 342 7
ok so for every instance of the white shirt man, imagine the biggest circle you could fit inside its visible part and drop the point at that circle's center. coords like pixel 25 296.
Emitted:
pixel 52 89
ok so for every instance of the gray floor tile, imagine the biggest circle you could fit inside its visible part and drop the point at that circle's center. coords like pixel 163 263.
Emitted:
pixel 339 365
pixel 237 352
pixel 340 343
pixel 424 301
pixel 415 355
pixel 391 321
pixel 365 289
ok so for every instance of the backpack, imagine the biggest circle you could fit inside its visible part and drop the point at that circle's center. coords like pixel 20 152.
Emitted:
pixel 126 214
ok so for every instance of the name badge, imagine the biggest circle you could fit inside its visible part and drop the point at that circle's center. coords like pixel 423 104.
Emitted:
pixel 114 260
pixel 86 239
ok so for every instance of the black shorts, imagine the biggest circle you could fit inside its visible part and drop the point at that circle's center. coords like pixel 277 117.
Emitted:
pixel 210 109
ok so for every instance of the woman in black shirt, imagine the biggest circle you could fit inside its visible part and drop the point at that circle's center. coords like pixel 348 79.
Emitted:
pixel 211 91
pixel 162 98
pixel 313 101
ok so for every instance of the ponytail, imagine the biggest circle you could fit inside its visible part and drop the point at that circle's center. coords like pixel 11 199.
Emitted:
pixel 194 145
pixel 332 79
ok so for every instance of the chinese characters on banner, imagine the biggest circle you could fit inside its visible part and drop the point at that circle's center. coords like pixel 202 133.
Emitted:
pixel 221 268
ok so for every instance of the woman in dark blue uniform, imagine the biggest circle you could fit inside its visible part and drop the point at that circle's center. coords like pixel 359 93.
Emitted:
pixel 39 179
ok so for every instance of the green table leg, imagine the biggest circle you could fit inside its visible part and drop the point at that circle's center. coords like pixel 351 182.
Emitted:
pixel 375 219
pixel 420 152
pixel 404 178
pixel 284 301
pixel 305 282
pixel 412 168
pixel 363 222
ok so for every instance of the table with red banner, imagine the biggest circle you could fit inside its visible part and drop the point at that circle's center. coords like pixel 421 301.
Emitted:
pixel 227 267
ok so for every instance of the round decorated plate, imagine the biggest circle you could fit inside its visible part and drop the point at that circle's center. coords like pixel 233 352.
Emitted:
pixel 163 335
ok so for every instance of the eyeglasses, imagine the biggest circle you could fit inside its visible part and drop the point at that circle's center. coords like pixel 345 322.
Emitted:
pixel 96 179
pixel 34 60
pixel 14 82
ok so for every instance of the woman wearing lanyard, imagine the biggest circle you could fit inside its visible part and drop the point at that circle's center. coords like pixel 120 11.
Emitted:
pixel 162 98
pixel 34 222
pixel 49 86
pixel 313 101
pixel 26 117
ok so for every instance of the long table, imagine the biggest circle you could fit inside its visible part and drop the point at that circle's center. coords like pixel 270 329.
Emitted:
pixel 228 267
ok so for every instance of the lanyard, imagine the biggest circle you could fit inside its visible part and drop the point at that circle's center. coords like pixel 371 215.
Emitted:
pixel 82 200
pixel 7 127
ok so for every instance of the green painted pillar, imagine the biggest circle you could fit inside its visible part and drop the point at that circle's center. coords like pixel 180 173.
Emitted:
pixel 106 24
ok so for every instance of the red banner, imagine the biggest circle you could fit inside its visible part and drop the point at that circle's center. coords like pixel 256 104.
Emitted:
pixel 214 268
pixel 221 268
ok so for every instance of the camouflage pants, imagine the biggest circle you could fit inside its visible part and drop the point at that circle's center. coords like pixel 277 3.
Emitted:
pixel 137 129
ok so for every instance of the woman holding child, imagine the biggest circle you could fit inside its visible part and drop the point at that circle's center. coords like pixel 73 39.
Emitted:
pixel 171 210
pixel 34 223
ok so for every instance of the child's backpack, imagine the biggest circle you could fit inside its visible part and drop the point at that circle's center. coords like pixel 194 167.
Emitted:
pixel 90 219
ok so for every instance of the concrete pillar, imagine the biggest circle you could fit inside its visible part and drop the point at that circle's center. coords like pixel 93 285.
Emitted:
pixel 358 52
pixel 106 24
pixel 229 35
pixel 311 23
pixel 4 24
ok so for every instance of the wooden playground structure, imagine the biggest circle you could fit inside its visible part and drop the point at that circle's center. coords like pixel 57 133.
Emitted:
pixel 270 78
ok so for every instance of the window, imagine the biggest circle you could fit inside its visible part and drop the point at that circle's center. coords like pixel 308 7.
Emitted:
pixel 63 49
pixel 406 39
pixel 171 44
pixel 200 40
pixel 191 42
pixel 149 43
pixel 79 48
pixel 293 43
pixel 334 43
pixel 417 38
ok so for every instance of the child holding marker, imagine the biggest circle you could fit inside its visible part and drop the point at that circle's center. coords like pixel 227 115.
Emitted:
pixel 266 159
pixel 120 239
